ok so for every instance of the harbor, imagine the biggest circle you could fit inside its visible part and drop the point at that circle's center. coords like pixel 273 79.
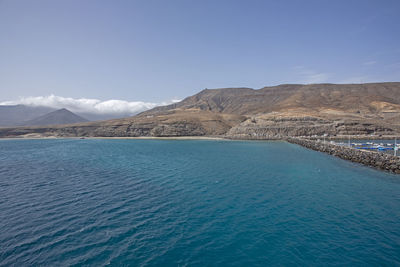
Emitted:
pixel 383 146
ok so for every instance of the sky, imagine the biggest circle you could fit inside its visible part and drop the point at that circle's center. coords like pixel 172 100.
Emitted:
pixel 152 52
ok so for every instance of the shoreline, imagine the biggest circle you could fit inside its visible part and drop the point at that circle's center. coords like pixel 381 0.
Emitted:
pixel 118 138
pixel 377 160
pixel 205 137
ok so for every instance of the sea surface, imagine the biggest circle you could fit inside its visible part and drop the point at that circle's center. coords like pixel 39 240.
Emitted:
pixel 98 202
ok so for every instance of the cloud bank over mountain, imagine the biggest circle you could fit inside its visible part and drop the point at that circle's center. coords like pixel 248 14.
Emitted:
pixel 112 107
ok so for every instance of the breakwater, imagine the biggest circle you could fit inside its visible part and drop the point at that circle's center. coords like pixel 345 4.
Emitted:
pixel 373 159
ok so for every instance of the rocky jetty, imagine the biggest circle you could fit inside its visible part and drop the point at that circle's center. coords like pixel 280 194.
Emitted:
pixel 373 159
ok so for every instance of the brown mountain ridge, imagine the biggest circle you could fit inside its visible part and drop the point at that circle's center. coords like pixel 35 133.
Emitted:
pixel 269 112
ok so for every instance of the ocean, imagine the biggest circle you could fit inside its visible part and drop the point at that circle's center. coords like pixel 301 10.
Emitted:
pixel 103 202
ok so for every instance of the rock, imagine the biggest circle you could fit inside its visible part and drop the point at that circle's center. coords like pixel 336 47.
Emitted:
pixel 374 159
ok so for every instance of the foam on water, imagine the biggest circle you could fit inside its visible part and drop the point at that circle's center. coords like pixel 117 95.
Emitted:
pixel 157 202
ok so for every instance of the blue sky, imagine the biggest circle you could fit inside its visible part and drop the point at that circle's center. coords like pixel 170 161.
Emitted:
pixel 156 51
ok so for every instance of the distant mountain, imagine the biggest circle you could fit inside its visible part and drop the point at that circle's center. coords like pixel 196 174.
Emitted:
pixel 269 112
pixel 20 115
pixel 15 115
pixel 61 116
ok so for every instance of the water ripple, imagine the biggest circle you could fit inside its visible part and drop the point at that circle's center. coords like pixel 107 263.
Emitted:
pixel 188 203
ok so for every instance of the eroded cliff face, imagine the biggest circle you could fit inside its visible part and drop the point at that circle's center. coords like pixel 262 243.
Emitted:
pixel 275 126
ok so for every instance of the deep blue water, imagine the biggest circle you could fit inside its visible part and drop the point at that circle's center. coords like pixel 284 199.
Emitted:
pixel 195 203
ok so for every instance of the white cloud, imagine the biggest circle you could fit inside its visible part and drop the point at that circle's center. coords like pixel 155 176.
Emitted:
pixel 85 105
pixel 357 79
pixel 310 76
pixel 369 63
pixel 316 78
pixel 394 65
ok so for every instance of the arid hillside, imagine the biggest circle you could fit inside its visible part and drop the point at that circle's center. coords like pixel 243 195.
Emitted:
pixel 270 112
pixel 371 98
pixel 303 110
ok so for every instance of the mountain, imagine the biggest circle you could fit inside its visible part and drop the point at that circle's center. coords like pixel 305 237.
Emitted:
pixel 15 115
pixel 297 110
pixel 61 116
pixel 269 112
pixel 19 115
pixel 366 98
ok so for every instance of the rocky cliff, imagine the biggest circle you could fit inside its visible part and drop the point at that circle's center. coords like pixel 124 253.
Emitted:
pixel 273 126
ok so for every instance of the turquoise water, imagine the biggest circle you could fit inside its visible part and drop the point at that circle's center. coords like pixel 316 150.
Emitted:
pixel 192 203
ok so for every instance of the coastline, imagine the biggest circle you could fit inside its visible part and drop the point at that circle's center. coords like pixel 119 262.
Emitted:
pixel 162 138
pixel 118 138
pixel 203 137
pixel 373 159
